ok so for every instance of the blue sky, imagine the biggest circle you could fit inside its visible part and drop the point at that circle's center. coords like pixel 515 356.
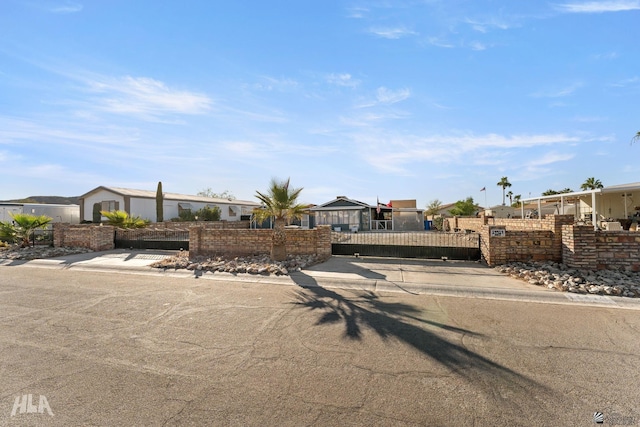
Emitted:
pixel 430 99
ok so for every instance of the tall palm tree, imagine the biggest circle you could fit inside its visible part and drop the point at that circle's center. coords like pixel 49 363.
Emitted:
pixel 280 202
pixel 591 184
pixel 504 183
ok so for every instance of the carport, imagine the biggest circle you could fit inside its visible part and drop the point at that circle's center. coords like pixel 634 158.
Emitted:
pixel 601 207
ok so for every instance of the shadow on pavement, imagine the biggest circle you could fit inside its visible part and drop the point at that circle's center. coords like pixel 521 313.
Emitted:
pixel 367 311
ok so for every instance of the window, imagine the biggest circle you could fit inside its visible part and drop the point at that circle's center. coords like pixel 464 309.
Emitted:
pixel 350 217
pixel 109 205
pixel 233 210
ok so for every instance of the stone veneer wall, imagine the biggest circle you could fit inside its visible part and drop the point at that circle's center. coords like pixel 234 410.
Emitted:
pixel 94 237
pixel 603 250
pixel 238 242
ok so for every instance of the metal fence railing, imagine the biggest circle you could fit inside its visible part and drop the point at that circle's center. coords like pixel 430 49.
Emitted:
pixel 42 238
pixel 152 239
pixel 426 238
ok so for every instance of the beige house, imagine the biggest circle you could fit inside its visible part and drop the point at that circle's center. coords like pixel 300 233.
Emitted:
pixel 142 203
pixel 606 208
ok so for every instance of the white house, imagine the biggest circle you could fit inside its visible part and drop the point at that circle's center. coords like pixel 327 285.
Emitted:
pixel 142 203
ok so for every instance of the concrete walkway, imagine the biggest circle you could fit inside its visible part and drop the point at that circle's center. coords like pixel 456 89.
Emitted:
pixel 412 276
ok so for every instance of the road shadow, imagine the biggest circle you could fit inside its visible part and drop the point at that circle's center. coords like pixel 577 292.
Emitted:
pixel 366 311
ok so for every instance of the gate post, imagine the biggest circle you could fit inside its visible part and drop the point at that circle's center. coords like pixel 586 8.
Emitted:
pixel 195 240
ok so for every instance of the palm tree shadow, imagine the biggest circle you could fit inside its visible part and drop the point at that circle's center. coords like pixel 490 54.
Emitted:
pixel 398 321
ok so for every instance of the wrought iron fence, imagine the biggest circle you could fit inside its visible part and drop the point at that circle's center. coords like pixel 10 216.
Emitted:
pixel 152 239
pixel 42 238
pixel 459 246
pixel 427 238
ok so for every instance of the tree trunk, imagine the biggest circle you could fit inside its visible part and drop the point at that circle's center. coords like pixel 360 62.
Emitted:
pixel 279 242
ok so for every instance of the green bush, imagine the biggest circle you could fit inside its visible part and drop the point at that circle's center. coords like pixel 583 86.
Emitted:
pixel 122 219
pixel 208 214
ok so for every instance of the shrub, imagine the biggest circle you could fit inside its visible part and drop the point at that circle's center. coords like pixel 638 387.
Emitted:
pixel 122 219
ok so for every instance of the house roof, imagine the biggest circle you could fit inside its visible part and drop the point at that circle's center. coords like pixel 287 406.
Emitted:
pixel 610 189
pixel 341 203
pixel 145 194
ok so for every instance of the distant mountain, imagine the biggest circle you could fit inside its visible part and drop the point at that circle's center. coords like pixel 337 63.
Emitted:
pixel 54 200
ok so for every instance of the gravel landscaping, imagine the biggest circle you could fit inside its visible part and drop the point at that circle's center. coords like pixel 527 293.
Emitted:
pixel 562 278
pixel 37 252
pixel 262 265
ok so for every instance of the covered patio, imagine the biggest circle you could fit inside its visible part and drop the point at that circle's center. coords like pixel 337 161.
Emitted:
pixel 616 207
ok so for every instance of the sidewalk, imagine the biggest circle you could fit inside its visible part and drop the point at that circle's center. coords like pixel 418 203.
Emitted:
pixel 414 276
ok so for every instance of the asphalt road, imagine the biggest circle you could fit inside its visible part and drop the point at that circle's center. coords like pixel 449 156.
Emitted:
pixel 110 349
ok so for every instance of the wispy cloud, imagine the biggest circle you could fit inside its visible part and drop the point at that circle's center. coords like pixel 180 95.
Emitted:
pixel 392 33
pixel 559 93
pixel 146 97
pixel 476 45
pixel 550 158
pixel 605 56
pixel 67 7
pixel 484 26
pixel 388 96
pixel 274 84
pixel 357 12
pixel 343 79
pixel 440 42
pixel 599 6
pixel 402 150
pixel 626 82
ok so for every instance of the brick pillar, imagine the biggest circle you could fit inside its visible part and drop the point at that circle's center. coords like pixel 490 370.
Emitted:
pixel 579 246
pixel 59 231
pixel 494 247
pixel 195 239
pixel 323 240
pixel 102 238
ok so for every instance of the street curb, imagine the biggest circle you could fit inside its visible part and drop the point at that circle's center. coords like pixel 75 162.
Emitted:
pixel 304 280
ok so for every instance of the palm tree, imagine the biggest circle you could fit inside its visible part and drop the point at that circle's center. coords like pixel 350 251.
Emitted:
pixel 504 183
pixel 122 219
pixel 25 225
pixel 591 184
pixel 516 200
pixel 636 138
pixel 510 196
pixel 281 204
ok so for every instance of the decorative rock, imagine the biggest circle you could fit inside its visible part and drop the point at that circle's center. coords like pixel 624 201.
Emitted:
pixel 558 276
pixel 38 252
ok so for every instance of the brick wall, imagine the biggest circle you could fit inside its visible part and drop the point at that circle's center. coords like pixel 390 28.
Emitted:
pixel 520 245
pixel 524 239
pixel 238 242
pixel 549 222
pixel 602 250
pixel 96 238
pixel 464 223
